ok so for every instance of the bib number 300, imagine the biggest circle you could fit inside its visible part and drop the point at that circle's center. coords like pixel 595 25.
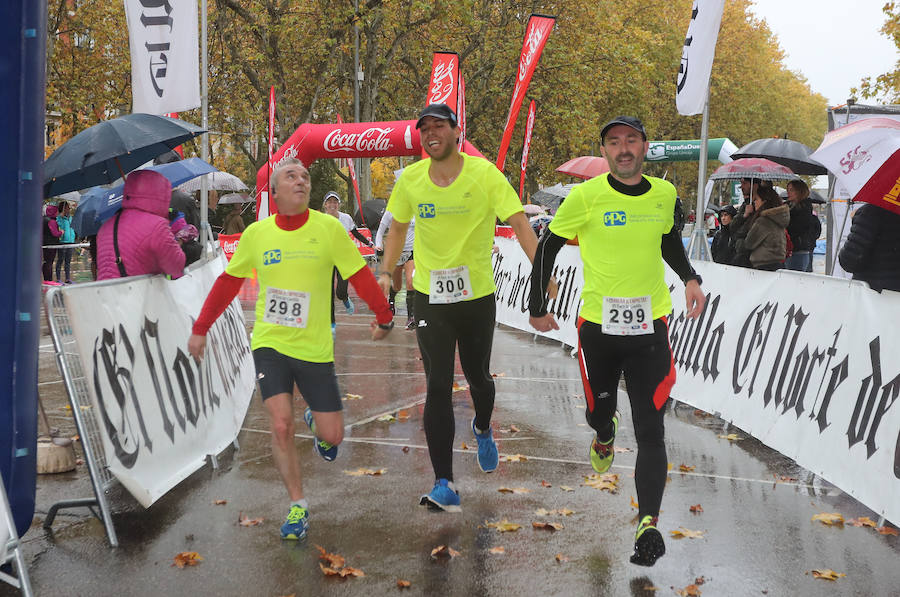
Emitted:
pixel 287 307
pixel 627 316
pixel 449 285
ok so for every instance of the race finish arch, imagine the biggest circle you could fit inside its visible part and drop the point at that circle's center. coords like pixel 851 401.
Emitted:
pixel 311 142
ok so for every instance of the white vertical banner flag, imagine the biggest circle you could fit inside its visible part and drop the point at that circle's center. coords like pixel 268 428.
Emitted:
pixel 697 56
pixel 165 70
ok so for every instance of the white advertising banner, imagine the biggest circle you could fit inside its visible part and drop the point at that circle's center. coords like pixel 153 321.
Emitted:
pixel 697 56
pixel 512 271
pixel 807 364
pixel 159 412
pixel 165 71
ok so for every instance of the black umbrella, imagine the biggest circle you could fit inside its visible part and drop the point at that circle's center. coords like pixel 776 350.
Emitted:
pixel 552 197
pixel 787 152
pixel 372 210
pixel 110 149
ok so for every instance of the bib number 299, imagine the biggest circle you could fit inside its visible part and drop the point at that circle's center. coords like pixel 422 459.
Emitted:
pixel 626 316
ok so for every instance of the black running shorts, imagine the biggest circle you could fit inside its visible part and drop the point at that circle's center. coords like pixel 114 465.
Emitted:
pixel 277 374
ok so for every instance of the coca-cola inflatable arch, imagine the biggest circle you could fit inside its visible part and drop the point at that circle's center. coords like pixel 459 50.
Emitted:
pixel 345 140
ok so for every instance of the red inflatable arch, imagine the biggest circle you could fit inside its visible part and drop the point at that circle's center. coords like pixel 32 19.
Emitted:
pixel 346 140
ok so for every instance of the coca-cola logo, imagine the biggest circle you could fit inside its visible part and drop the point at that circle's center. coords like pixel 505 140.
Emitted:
pixel 532 43
pixel 230 246
pixel 442 83
pixel 289 152
pixel 370 140
pixel 529 126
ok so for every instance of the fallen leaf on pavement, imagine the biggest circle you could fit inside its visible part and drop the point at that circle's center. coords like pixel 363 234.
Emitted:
pixel 683 533
pixel 443 551
pixel 514 490
pixel 560 512
pixel 219 502
pixel 829 518
pixel 561 558
pixel 352 397
pixel 862 521
pixel 248 522
pixel 566 488
pixel 360 472
pixel 827 574
pixel 348 571
pixel 187 558
pixel 403 415
pixel 335 560
pixel 634 503
pixel 504 526
pixel 696 508
pixel 689 591
pixel 545 484
pixel 620 450
pixel 547 526
pixel 784 479
pixel 886 530
pixel 732 437
pixel 701 414
pixel 649 588
pixel 514 458
pixel 464 446
pixel 497 550
pixel 405 449
pixel 498 374
pixel 608 482
pixel 386 418
pixel 513 429
pixel 459 388
pixel 403 584
pixel 686 468
pixel 699 580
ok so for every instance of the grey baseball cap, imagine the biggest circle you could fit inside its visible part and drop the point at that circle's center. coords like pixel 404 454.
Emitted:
pixel 627 121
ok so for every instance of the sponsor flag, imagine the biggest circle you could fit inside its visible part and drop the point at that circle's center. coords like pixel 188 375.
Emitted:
pixel 165 54
pixel 461 111
pixel 697 56
pixel 352 171
pixel 536 34
pixel 526 145
pixel 179 150
pixel 444 87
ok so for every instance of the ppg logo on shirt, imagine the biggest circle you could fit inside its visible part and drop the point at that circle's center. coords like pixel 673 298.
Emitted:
pixel 614 218
pixel 272 257
pixel 426 210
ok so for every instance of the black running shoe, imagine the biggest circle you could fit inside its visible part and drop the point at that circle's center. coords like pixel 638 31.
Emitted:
pixel 648 543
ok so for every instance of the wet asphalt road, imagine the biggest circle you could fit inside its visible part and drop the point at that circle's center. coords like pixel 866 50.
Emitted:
pixel 757 536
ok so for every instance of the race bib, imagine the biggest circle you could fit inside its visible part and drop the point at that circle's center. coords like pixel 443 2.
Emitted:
pixel 627 316
pixel 449 285
pixel 287 307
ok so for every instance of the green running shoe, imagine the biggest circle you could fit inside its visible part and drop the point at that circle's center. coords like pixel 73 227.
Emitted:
pixel 602 454
pixel 648 543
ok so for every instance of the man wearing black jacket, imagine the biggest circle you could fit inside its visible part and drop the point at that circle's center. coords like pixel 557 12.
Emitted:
pixel 624 222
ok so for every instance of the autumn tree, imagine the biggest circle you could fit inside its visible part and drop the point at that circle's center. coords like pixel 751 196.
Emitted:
pixel 887 85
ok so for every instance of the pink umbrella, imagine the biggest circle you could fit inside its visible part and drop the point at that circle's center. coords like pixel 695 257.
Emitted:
pixel 865 157
pixel 585 167
pixel 758 168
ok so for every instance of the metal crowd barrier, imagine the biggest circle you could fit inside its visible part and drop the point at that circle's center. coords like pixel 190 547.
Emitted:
pixel 10 548
pixel 70 368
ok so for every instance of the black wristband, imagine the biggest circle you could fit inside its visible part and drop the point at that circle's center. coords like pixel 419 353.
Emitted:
pixel 387 326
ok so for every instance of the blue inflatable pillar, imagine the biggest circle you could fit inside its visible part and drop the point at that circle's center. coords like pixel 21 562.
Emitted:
pixel 23 32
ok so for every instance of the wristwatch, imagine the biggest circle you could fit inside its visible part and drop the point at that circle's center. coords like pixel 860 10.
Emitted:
pixel 387 326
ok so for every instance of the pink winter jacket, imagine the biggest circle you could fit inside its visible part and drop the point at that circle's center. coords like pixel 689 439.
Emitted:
pixel 146 244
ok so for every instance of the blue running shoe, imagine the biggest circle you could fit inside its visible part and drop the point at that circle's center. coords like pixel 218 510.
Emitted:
pixel 348 304
pixel 324 449
pixel 487 456
pixel 442 497
pixel 296 525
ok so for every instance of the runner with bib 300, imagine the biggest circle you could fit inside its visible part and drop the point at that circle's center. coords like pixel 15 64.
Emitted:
pixel 455 199
pixel 624 222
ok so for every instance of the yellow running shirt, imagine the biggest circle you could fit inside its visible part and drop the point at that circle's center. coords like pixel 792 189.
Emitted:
pixel 454 224
pixel 620 240
pixel 294 268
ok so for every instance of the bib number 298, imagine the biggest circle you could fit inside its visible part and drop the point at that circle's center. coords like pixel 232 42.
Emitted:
pixel 287 307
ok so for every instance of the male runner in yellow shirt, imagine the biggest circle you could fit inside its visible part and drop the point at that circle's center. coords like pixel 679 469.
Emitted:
pixel 625 228
pixel 294 253
pixel 455 199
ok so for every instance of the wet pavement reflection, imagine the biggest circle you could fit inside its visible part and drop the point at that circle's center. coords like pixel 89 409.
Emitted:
pixel 757 534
